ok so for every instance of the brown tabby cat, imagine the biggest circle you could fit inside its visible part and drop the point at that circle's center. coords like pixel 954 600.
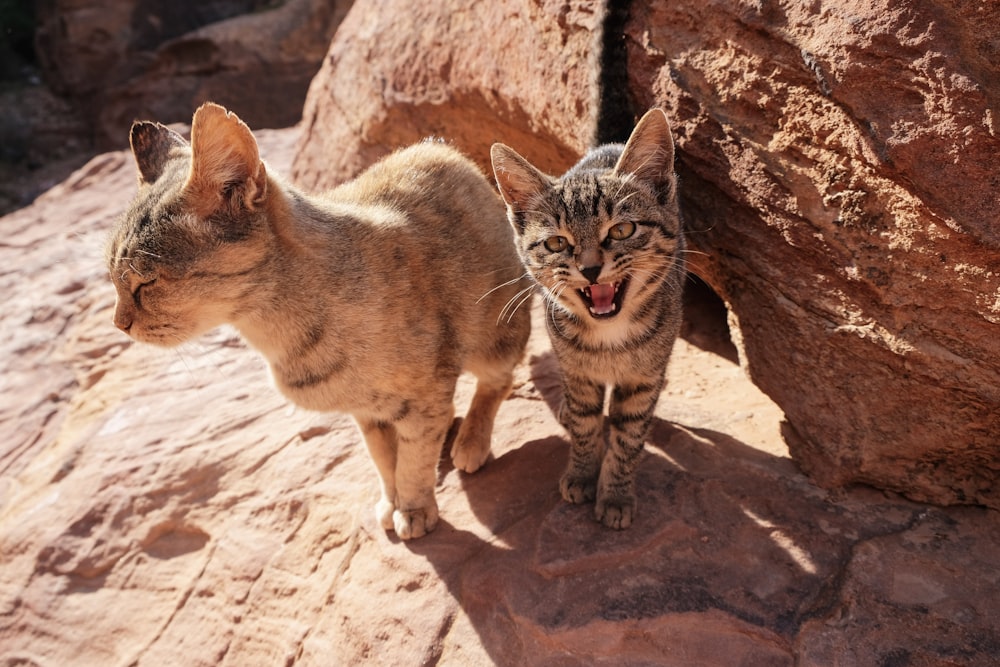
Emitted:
pixel 604 243
pixel 370 299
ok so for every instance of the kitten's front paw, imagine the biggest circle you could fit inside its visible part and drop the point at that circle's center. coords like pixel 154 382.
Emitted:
pixel 615 512
pixel 411 524
pixel 576 489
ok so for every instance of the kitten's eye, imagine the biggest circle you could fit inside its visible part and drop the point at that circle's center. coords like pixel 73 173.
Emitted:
pixel 622 231
pixel 556 243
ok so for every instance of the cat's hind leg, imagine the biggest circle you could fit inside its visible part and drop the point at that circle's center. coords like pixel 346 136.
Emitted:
pixel 493 366
pixel 472 444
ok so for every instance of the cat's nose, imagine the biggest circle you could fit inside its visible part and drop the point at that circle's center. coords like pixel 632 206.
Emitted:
pixel 591 273
pixel 123 318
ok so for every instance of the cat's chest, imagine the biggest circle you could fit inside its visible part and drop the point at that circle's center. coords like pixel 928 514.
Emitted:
pixel 612 352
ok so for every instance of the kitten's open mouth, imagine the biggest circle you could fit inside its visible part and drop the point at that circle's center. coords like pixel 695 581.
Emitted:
pixel 604 300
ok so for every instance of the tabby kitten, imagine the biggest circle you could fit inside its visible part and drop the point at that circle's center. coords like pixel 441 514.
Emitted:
pixel 370 299
pixel 604 243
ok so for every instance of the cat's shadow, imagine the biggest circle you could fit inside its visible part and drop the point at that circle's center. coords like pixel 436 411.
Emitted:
pixel 695 488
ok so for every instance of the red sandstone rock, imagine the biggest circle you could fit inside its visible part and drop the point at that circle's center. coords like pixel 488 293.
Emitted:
pixel 128 59
pixel 839 170
pixel 516 71
pixel 164 507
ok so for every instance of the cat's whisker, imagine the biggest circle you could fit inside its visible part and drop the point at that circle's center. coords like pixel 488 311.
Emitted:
pixel 524 299
pixel 502 285
pixel 510 309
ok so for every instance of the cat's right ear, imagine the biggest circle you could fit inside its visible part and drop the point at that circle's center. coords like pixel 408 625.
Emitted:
pixel 519 182
pixel 151 145
pixel 226 169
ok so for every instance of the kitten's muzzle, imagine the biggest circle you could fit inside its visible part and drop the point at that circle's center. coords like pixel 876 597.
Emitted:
pixel 604 300
pixel 591 273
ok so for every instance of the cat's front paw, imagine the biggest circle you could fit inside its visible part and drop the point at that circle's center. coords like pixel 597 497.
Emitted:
pixel 411 524
pixel 576 489
pixel 384 509
pixel 616 512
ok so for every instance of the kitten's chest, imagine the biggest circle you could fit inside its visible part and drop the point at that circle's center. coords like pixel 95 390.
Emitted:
pixel 615 353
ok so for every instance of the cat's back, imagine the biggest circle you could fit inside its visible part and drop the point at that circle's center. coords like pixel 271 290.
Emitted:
pixel 434 205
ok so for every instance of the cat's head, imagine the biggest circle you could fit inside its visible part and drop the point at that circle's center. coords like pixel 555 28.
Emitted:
pixel 182 257
pixel 605 236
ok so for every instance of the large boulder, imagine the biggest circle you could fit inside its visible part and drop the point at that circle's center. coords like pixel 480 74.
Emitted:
pixel 473 73
pixel 840 172
pixel 160 59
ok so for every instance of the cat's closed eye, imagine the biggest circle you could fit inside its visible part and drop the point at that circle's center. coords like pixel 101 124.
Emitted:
pixel 137 292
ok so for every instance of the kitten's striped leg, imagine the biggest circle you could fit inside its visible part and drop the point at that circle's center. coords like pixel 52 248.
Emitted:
pixel 380 438
pixel 630 414
pixel 420 435
pixel 582 414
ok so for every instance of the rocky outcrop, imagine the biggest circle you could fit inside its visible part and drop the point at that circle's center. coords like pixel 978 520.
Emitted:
pixel 838 177
pixel 472 73
pixel 840 171
pixel 133 59
pixel 169 507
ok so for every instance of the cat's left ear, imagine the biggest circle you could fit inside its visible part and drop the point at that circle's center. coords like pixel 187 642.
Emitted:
pixel 151 145
pixel 649 153
pixel 517 179
pixel 226 168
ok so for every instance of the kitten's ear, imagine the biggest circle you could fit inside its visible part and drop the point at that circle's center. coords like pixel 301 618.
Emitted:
pixel 519 182
pixel 151 145
pixel 649 153
pixel 225 164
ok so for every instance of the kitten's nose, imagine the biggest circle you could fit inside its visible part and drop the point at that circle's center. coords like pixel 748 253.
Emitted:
pixel 591 273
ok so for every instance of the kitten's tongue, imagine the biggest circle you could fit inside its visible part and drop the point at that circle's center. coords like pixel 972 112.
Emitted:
pixel 603 298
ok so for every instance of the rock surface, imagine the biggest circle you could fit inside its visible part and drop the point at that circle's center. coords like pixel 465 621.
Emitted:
pixel 838 173
pixel 168 507
pixel 131 59
pixel 398 72
pixel 841 165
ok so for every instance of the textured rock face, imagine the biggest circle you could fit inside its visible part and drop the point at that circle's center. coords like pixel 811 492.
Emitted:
pixel 159 59
pixel 840 169
pixel 515 71
pixel 168 507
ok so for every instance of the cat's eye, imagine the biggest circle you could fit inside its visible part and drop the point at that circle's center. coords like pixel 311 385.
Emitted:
pixel 556 243
pixel 137 292
pixel 621 231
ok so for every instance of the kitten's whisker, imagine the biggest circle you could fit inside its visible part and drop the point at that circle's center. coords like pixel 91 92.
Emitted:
pixel 510 309
pixel 526 298
pixel 509 282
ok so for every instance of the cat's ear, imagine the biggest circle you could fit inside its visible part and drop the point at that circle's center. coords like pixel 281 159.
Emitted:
pixel 519 182
pixel 226 168
pixel 151 145
pixel 649 153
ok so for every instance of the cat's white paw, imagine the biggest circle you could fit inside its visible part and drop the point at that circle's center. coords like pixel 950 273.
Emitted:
pixel 383 513
pixel 615 513
pixel 576 489
pixel 411 524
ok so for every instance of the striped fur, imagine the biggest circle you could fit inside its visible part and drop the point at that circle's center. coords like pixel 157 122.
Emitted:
pixel 609 225
pixel 370 299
